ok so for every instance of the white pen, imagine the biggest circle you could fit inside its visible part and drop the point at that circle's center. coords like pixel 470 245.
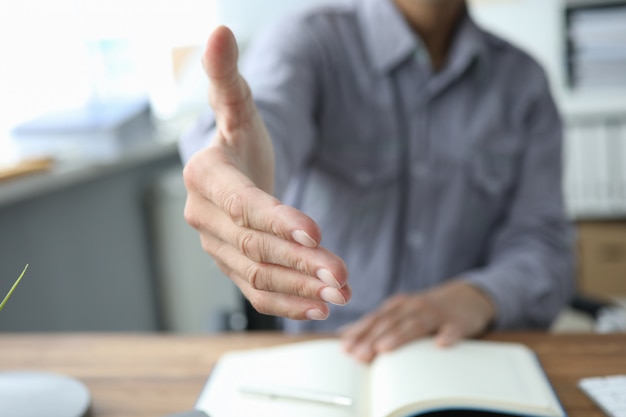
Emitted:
pixel 297 394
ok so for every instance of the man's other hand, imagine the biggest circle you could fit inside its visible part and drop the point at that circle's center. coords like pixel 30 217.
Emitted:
pixel 450 312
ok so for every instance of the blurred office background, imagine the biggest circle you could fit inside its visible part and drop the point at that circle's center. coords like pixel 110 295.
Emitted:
pixel 96 93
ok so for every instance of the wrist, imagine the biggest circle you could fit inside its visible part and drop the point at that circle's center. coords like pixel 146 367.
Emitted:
pixel 472 304
pixel 484 303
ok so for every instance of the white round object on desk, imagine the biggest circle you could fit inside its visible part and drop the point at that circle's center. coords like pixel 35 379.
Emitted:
pixel 37 394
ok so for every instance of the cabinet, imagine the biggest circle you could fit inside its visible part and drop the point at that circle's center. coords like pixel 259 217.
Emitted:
pixel 83 231
pixel 595 44
pixel 601 253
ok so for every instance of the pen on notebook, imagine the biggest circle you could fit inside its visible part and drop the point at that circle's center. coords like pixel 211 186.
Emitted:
pixel 191 413
pixel 297 394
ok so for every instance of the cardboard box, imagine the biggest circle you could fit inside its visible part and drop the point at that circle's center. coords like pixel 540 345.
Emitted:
pixel 602 258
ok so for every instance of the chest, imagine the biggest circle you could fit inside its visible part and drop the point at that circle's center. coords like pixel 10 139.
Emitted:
pixel 373 127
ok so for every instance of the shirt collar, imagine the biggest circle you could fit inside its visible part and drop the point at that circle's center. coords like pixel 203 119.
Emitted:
pixel 390 40
pixel 470 43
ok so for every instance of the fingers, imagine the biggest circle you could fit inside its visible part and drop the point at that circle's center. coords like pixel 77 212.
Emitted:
pixel 279 244
pixel 264 245
pixel 282 305
pixel 273 278
pixel 451 312
pixel 304 279
pixel 266 248
pixel 400 320
pixel 281 292
pixel 215 179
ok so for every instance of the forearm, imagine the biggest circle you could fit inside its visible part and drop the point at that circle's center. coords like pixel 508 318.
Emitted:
pixel 531 277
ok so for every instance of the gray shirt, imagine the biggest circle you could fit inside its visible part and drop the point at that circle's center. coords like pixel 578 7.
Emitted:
pixel 415 177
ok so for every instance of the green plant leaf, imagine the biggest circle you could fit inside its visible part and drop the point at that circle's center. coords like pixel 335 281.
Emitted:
pixel 17 281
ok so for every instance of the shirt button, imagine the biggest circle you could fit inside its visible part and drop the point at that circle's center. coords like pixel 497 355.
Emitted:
pixel 415 239
pixel 420 170
pixel 364 178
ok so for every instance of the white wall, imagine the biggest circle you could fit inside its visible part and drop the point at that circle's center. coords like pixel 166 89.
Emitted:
pixel 245 17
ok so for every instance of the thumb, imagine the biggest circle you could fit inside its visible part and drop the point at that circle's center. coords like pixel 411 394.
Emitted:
pixel 229 94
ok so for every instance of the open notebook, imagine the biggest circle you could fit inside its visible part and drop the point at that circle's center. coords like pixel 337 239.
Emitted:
pixel 312 379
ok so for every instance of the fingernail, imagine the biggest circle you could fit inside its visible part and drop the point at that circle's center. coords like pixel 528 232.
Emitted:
pixel 327 278
pixel 304 239
pixel 333 296
pixel 315 315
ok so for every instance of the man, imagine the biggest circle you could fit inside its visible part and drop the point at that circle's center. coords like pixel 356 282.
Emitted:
pixel 425 154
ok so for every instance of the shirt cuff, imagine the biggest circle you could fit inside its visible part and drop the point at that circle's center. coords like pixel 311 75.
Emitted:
pixel 509 304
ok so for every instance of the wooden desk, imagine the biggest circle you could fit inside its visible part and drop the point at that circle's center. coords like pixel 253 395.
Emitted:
pixel 148 375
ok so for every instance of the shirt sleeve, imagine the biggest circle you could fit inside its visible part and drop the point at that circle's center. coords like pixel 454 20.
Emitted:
pixel 280 67
pixel 529 273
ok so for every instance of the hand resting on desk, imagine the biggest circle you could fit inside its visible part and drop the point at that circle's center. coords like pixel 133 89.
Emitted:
pixel 451 312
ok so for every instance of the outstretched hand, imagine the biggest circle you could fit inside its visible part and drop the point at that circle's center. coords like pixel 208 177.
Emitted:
pixel 271 251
